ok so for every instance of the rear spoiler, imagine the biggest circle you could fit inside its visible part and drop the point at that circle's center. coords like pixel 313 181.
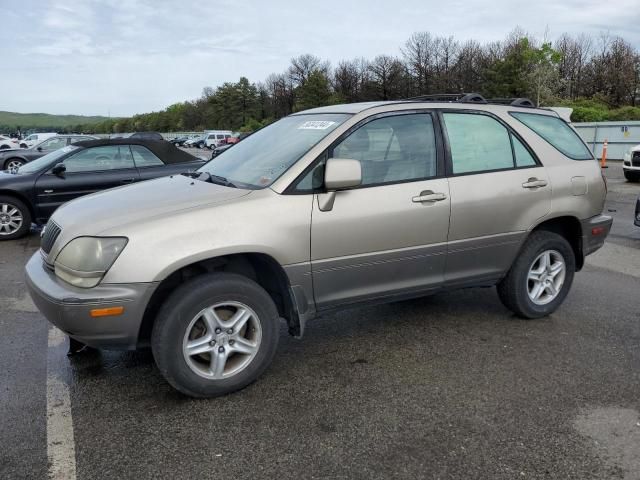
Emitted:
pixel 563 112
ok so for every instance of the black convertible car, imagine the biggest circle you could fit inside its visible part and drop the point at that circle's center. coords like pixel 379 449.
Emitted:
pixel 33 192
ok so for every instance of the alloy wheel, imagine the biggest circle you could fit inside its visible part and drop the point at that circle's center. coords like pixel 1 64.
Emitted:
pixel 10 219
pixel 546 277
pixel 222 340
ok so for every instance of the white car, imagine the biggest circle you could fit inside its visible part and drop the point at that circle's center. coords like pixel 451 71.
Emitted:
pixel 631 164
pixel 6 142
pixel 215 138
pixel 34 138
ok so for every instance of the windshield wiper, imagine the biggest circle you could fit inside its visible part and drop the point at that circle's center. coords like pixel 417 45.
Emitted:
pixel 208 177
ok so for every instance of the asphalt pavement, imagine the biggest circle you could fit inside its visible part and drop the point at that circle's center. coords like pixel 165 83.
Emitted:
pixel 451 386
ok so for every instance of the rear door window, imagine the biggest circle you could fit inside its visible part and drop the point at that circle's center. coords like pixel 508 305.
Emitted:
pixel 557 133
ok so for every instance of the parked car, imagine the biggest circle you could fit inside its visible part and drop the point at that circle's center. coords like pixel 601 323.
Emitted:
pixel 147 136
pixel 631 164
pixel 222 148
pixel 323 210
pixel 179 141
pixel 35 190
pixel 192 141
pixel 11 159
pixel 215 138
pixel 6 143
pixel 636 219
pixel 35 138
pixel 238 136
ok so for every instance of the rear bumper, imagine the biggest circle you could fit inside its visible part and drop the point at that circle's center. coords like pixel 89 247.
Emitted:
pixel 68 307
pixel 594 233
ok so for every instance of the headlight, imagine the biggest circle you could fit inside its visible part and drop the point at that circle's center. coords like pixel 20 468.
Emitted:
pixel 84 260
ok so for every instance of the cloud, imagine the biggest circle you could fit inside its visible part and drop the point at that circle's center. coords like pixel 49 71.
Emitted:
pixel 132 56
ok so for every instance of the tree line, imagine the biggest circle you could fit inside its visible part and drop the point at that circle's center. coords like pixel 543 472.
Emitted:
pixel 598 76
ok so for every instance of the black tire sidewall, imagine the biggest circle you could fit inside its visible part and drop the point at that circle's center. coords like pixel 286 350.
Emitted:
pixel 26 217
pixel 184 304
pixel 538 243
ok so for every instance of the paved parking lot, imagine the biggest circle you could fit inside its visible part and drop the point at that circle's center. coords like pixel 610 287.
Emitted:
pixel 451 386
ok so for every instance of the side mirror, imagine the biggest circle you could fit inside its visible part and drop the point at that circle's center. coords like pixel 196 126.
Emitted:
pixel 59 169
pixel 341 173
pixel 39 149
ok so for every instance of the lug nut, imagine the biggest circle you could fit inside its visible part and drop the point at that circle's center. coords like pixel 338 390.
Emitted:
pixel 218 330
pixel 212 343
pixel 221 349
pixel 231 342
pixel 230 331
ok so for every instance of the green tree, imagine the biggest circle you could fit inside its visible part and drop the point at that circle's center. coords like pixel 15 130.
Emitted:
pixel 313 92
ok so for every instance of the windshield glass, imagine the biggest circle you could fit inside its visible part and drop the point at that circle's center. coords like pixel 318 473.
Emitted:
pixel 48 159
pixel 261 158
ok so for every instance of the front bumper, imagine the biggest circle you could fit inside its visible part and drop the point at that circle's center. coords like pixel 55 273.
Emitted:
pixel 68 307
pixel 594 233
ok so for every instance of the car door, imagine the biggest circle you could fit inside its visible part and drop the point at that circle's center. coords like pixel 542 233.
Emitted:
pixel 87 171
pixel 499 189
pixel 388 236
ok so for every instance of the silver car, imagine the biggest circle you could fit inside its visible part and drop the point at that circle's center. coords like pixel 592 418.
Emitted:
pixel 325 209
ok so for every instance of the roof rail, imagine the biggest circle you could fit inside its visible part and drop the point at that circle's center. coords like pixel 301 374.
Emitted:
pixel 450 97
pixel 473 98
pixel 514 102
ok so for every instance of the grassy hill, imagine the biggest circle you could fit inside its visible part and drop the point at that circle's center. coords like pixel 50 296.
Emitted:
pixel 10 121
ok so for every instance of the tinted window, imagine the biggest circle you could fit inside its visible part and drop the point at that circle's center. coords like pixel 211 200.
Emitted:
pixel 523 156
pixel 478 143
pixel 144 158
pixel 111 157
pixel 46 161
pixel 555 131
pixel 392 149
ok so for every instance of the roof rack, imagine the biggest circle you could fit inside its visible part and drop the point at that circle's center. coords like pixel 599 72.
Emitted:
pixel 472 98
pixel 451 97
pixel 514 102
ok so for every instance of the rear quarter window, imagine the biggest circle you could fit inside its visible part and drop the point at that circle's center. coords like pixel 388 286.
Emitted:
pixel 557 133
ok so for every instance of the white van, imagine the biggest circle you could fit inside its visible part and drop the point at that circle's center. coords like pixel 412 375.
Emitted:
pixel 214 138
pixel 34 138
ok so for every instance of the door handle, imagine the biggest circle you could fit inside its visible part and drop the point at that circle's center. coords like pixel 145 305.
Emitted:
pixel 533 182
pixel 128 180
pixel 429 196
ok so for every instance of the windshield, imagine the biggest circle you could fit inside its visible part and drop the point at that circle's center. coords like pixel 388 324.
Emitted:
pixel 261 158
pixel 48 159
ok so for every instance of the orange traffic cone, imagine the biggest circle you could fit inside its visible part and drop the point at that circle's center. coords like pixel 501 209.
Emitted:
pixel 603 161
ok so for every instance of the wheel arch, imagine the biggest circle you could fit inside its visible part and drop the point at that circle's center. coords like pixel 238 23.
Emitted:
pixel 569 227
pixel 259 267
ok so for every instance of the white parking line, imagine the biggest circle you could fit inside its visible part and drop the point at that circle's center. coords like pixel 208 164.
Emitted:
pixel 61 448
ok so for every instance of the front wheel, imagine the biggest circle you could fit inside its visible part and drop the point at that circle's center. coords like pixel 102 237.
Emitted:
pixel 540 278
pixel 15 218
pixel 215 334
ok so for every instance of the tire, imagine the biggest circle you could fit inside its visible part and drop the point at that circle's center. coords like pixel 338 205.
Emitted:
pixel 174 327
pixel 516 289
pixel 13 162
pixel 10 210
pixel 631 176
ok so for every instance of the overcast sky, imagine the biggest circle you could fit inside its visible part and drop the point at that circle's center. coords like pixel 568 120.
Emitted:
pixel 134 56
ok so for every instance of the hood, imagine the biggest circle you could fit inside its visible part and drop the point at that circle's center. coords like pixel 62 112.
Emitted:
pixel 165 197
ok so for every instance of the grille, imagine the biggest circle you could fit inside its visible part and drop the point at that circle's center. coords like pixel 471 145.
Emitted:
pixel 635 160
pixel 51 233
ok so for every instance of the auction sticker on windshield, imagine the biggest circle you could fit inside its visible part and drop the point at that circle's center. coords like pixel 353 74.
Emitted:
pixel 315 125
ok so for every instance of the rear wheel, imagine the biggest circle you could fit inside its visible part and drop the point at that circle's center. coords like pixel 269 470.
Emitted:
pixel 540 278
pixel 12 163
pixel 631 176
pixel 215 334
pixel 15 218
